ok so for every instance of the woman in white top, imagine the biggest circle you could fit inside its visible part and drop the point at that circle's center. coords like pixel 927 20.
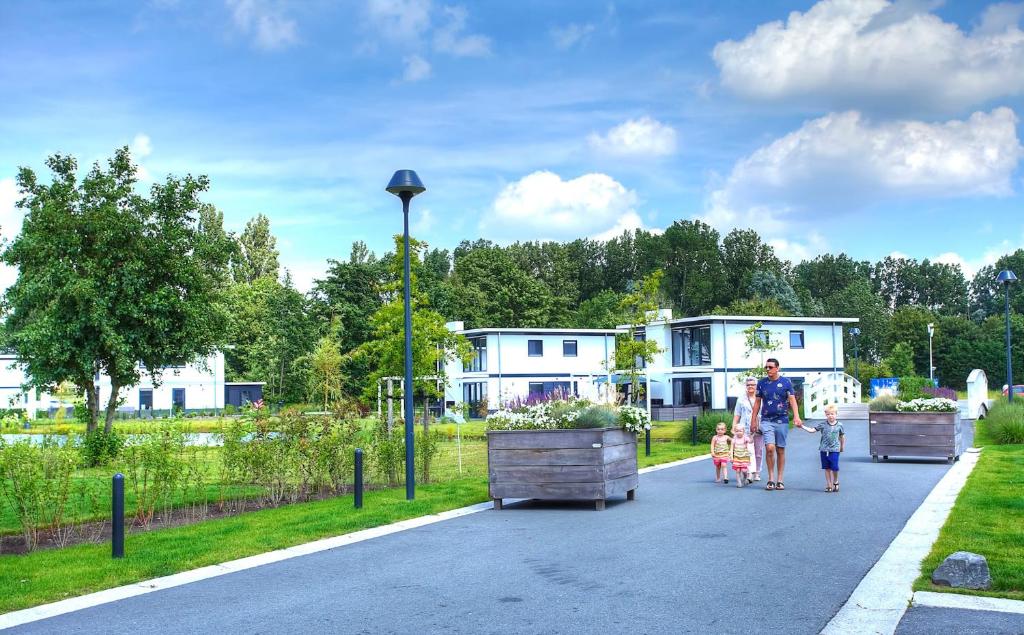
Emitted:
pixel 742 414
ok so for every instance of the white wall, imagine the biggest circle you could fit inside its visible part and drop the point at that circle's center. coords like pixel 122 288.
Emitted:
pixel 204 386
pixel 508 356
pixel 823 349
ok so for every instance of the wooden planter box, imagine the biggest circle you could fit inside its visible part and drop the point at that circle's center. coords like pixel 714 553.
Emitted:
pixel 915 434
pixel 562 464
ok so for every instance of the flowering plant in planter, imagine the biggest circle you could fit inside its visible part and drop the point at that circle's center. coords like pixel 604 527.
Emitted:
pixel 928 405
pixel 565 414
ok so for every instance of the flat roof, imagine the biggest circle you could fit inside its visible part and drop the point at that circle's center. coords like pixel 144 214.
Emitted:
pixel 541 331
pixel 771 319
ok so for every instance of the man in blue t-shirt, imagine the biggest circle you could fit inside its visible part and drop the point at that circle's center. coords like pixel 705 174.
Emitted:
pixel 774 398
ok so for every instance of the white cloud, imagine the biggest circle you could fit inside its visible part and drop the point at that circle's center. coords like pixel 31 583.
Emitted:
pixel 874 54
pixel 140 148
pixel 844 161
pixel 10 215
pixel 450 38
pixel 263 21
pixel 541 206
pixel 416 68
pixel 566 37
pixel 644 137
pixel 399 20
pixel 10 226
pixel 424 221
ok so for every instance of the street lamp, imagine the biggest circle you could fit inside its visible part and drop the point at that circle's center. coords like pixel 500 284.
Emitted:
pixel 854 332
pixel 931 366
pixel 1007 277
pixel 405 185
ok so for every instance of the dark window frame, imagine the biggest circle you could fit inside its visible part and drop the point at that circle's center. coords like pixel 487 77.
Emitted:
pixel 575 348
pixel 803 340
pixel 529 348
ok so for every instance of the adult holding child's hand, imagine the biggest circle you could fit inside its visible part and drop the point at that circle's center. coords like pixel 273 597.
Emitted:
pixel 744 414
pixel 774 398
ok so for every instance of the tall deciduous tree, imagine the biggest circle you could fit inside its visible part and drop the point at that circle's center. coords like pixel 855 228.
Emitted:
pixel 631 353
pixel 351 292
pixel 109 278
pixel 269 329
pixel 694 277
pixel 256 256
pixel 743 254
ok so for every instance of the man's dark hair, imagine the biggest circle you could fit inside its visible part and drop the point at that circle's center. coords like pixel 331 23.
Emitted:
pixel 773 361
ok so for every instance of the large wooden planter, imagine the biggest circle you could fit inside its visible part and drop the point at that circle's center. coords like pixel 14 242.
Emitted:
pixel 562 464
pixel 915 434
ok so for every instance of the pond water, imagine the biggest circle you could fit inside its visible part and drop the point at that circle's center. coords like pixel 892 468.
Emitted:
pixel 200 439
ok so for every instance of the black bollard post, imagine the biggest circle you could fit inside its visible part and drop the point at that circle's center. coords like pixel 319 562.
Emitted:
pixel 117 518
pixel 359 478
pixel 693 432
pixel 647 441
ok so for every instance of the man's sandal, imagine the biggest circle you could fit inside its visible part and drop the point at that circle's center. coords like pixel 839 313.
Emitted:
pixel 779 485
pixel 835 488
pixel 828 489
pixel 770 486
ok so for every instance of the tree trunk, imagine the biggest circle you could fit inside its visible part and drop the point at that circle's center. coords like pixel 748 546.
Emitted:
pixel 93 403
pixel 108 424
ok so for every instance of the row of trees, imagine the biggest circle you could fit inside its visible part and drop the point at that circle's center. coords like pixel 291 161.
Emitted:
pixel 109 277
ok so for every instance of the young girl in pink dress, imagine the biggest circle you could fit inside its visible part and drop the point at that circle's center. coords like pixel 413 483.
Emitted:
pixel 720 451
pixel 741 453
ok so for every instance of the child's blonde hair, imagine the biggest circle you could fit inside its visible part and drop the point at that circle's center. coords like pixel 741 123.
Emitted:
pixel 831 408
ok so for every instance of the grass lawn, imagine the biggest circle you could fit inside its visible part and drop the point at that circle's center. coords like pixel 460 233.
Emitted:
pixel 988 519
pixel 50 575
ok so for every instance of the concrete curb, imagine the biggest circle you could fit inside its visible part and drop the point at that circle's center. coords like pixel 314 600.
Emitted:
pixel 44 611
pixel 878 603
pixel 969 602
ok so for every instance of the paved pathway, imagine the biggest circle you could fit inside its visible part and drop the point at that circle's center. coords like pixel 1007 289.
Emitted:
pixel 926 619
pixel 687 556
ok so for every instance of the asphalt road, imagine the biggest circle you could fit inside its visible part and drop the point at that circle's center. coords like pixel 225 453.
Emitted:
pixel 926 619
pixel 688 556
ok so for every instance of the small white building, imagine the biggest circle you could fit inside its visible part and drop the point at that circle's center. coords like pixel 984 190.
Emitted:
pixel 195 386
pixel 519 362
pixel 704 358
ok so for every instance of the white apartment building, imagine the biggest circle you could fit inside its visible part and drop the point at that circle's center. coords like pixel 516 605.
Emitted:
pixel 703 358
pixel 519 362
pixel 195 386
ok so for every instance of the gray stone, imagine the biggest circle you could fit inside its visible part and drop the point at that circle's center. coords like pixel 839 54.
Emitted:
pixel 964 570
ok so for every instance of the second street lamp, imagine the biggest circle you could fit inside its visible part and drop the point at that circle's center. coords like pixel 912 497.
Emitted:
pixel 1007 277
pixel 405 185
pixel 931 365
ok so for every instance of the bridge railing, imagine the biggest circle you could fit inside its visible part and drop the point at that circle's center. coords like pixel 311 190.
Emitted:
pixel 829 388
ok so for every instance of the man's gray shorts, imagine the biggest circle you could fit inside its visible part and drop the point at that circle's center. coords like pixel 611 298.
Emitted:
pixel 775 432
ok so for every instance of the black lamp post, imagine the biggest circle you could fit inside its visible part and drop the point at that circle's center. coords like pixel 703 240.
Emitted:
pixel 405 185
pixel 854 332
pixel 1007 277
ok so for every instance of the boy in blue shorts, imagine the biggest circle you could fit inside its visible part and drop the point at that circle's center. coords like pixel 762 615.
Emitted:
pixel 833 440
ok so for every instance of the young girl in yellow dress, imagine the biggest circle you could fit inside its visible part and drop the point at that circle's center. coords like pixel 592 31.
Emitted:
pixel 720 451
pixel 740 454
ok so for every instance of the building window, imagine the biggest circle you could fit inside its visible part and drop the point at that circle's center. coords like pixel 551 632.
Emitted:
pixel 475 395
pixel 568 348
pixel 692 392
pixel 536 348
pixel 796 339
pixel 691 346
pixel 640 362
pixel 479 362
pixel 548 388
pixel 764 336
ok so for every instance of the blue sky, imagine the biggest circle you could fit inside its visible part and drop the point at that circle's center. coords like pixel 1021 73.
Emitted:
pixel 860 126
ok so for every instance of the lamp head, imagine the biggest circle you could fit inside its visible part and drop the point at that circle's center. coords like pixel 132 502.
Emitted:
pixel 405 182
pixel 855 331
pixel 931 329
pixel 1006 276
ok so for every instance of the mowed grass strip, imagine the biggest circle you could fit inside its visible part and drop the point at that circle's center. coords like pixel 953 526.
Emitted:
pixel 988 519
pixel 52 575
